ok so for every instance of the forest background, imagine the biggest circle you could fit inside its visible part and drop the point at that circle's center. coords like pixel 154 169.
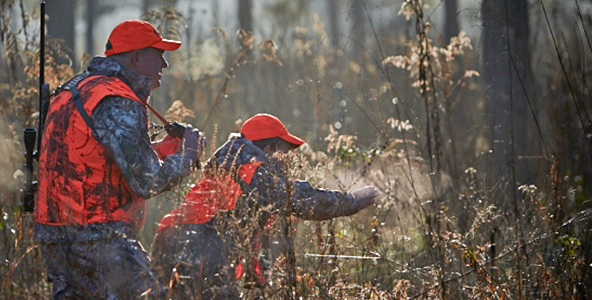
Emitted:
pixel 473 118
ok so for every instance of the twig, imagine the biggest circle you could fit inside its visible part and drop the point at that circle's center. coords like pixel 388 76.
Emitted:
pixel 246 41
pixel 572 92
pixel 587 215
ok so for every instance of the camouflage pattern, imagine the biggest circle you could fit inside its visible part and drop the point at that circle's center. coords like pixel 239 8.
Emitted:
pixel 205 257
pixel 105 260
pixel 270 187
pixel 121 126
pixel 194 260
pixel 97 261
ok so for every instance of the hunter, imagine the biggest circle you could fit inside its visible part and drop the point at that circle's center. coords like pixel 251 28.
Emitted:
pixel 97 167
pixel 200 247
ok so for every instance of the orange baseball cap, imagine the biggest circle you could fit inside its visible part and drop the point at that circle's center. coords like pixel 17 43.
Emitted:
pixel 264 126
pixel 134 35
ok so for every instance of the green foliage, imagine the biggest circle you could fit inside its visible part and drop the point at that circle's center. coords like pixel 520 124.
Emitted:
pixel 569 245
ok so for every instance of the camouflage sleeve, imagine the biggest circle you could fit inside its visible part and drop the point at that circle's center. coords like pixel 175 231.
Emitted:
pixel 268 188
pixel 311 203
pixel 121 126
pixel 272 188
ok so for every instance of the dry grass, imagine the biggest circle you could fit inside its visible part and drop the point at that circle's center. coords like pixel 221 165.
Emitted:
pixel 437 231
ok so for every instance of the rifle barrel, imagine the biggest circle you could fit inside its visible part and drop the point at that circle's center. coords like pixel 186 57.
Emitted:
pixel 30 134
pixel 42 47
pixel 43 86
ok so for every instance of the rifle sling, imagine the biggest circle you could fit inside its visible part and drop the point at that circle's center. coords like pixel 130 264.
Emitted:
pixel 72 86
pixel 80 107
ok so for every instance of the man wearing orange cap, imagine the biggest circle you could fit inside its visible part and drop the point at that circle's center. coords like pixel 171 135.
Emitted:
pixel 200 247
pixel 97 167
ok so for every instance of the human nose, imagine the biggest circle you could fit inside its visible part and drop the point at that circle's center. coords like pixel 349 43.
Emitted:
pixel 164 63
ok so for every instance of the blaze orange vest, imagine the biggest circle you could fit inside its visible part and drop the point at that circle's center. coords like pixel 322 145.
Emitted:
pixel 79 183
pixel 208 197
pixel 212 195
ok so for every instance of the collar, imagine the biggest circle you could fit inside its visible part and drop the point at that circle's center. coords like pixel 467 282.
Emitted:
pixel 141 85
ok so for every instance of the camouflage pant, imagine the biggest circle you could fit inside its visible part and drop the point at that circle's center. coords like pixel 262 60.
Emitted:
pixel 114 268
pixel 194 262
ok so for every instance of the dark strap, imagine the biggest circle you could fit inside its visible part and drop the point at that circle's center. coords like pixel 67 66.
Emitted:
pixel 80 107
pixel 72 86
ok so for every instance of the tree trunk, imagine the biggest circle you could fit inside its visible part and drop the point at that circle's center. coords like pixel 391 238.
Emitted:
pixel 451 26
pixel 332 9
pixel 146 4
pixel 358 34
pixel 60 24
pixel 215 13
pixel 245 17
pixel 506 106
pixel 90 26
pixel 522 74
pixel 506 61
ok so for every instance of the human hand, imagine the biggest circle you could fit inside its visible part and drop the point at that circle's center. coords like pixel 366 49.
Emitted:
pixel 193 143
pixel 175 129
pixel 365 196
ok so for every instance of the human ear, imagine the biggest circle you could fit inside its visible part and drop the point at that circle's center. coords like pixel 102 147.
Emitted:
pixel 135 58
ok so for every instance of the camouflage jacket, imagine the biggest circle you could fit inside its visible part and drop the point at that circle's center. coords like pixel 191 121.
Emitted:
pixel 121 126
pixel 271 187
pixel 213 249
pixel 264 190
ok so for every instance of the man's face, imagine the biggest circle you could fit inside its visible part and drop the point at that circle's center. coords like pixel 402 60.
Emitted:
pixel 284 147
pixel 150 62
pixel 280 148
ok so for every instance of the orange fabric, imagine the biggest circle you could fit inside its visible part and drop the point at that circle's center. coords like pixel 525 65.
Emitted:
pixel 238 273
pixel 247 171
pixel 169 145
pixel 264 126
pixel 78 182
pixel 255 268
pixel 137 34
pixel 208 197
pixel 204 201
